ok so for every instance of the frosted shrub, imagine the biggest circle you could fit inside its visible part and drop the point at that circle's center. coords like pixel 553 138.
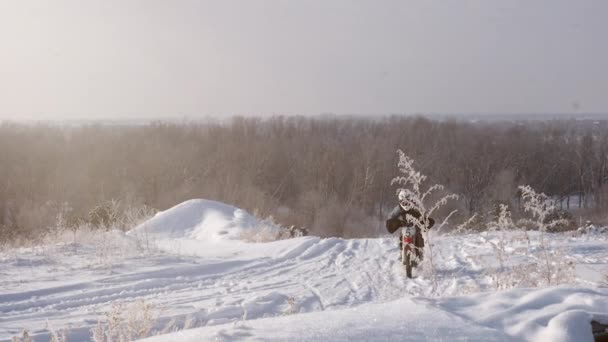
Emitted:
pixel 133 216
pixel 499 229
pixel 109 247
pixel 140 319
pixel 292 306
pixel 502 235
pixel 59 336
pixel 80 237
pixel 418 197
pixel 553 264
pixel 125 323
pixel 466 226
pixel 105 215
pixel 539 263
pixel 25 337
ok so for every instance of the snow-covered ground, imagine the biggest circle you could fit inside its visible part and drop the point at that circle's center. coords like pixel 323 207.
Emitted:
pixel 191 264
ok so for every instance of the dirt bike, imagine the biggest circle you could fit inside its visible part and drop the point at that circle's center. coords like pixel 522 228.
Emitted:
pixel 410 254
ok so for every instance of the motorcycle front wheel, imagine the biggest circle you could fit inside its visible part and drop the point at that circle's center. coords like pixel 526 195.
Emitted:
pixel 406 259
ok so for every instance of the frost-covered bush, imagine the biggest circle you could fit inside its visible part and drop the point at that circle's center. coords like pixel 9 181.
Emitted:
pixel 552 264
pixel 60 335
pixel 499 242
pixel 114 215
pixel 104 215
pixel 126 322
pixel 523 254
pixel 25 337
pixel 565 221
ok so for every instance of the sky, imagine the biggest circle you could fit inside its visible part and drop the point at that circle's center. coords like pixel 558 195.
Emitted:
pixel 124 59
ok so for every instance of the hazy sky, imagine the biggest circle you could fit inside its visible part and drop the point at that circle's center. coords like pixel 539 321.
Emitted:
pixel 172 58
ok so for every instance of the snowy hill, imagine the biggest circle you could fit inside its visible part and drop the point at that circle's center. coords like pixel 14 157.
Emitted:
pixel 198 219
pixel 200 275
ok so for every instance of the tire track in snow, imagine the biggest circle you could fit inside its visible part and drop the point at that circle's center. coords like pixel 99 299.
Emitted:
pixel 329 272
pixel 316 294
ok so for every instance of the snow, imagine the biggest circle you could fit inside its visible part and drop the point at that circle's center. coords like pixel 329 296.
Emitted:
pixel 557 314
pixel 191 264
pixel 198 219
pixel 399 320
pixel 550 314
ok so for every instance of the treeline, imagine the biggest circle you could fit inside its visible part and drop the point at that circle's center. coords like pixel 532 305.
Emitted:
pixel 330 175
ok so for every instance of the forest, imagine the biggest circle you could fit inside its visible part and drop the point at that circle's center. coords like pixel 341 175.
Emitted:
pixel 331 175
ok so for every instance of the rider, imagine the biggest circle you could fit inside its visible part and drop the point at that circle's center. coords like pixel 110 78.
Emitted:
pixel 397 219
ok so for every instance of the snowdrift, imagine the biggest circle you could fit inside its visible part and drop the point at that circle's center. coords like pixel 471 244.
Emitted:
pixel 198 219
pixel 548 314
pixel 551 314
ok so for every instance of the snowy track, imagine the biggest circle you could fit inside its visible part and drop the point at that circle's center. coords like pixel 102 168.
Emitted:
pixel 211 282
pixel 304 274
pixel 240 282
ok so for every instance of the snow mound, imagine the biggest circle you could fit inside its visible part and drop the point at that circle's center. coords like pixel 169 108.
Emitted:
pixel 549 314
pixel 198 219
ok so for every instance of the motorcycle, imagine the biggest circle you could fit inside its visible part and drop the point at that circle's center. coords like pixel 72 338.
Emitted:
pixel 410 254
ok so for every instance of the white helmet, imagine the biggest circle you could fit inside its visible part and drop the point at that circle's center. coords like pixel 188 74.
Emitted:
pixel 405 199
pixel 402 195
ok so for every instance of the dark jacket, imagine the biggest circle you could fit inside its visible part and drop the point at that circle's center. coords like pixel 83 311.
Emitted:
pixel 397 219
